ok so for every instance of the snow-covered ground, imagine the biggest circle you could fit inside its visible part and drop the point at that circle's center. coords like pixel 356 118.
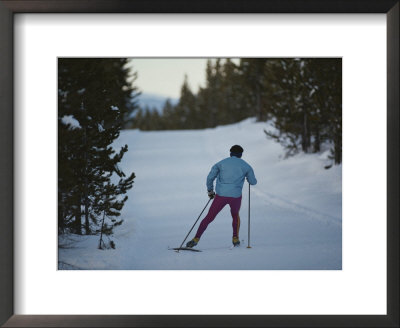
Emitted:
pixel 296 207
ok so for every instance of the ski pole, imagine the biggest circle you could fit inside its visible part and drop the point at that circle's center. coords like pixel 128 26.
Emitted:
pixel 194 224
pixel 248 245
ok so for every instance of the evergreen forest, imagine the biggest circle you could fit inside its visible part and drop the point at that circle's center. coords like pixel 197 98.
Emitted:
pixel 301 96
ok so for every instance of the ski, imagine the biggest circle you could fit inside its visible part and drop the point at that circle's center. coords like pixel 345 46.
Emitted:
pixel 184 249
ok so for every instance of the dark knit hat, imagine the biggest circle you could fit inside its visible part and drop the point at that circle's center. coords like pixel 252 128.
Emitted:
pixel 236 149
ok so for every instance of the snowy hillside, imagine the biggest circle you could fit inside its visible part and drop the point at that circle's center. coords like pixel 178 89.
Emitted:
pixel 296 206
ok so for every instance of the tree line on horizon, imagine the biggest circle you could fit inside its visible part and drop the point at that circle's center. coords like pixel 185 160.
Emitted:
pixel 302 97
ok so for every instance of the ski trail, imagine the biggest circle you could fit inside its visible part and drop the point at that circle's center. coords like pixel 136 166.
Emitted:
pixel 287 204
pixel 169 193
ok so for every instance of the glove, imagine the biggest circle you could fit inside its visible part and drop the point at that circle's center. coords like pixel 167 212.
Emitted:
pixel 211 194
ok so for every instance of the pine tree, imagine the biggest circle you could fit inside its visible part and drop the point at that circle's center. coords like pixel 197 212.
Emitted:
pixel 110 201
pixel 167 116
pixel 211 94
pixel 306 104
pixel 185 110
pixel 95 92
pixel 286 108
pixel 327 92
pixel 254 81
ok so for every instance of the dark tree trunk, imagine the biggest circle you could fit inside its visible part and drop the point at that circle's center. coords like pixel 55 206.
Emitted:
pixel 101 231
pixel 61 218
pixel 86 197
pixel 258 102
pixel 87 228
pixel 305 142
pixel 338 150
pixel 78 221
pixel 317 141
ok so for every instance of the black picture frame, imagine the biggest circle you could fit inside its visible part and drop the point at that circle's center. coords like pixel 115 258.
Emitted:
pixel 10 7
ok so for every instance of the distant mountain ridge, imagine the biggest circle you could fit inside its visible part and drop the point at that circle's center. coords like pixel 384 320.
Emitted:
pixel 154 101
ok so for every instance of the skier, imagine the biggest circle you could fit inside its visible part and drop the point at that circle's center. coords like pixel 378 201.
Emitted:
pixel 230 174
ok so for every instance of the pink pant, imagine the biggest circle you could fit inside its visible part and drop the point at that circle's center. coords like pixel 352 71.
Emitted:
pixel 217 205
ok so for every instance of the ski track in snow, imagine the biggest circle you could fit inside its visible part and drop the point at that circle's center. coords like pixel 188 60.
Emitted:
pixel 290 224
pixel 269 198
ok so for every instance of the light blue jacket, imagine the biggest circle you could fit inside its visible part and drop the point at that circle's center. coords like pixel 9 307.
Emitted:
pixel 230 174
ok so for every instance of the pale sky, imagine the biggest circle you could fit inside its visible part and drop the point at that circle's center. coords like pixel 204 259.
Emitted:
pixel 165 76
